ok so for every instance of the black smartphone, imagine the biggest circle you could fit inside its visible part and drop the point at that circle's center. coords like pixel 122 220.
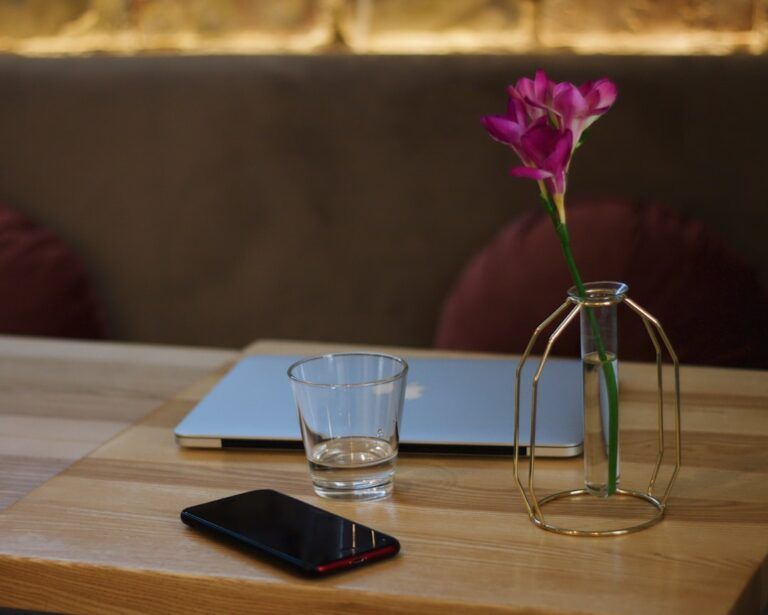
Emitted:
pixel 313 540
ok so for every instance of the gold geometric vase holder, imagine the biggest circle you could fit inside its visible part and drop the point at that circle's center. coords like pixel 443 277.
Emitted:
pixel 651 496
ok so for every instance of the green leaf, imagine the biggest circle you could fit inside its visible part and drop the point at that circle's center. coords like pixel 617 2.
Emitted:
pixel 582 137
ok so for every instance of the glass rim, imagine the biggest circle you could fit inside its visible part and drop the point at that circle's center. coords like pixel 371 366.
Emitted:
pixel 600 294
pixel 400 374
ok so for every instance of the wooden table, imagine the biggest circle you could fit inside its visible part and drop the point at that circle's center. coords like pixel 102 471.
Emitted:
pixel 59 400
pixel 104 535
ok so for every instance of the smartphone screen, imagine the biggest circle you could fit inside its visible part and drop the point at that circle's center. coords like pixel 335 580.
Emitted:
pixel 312 539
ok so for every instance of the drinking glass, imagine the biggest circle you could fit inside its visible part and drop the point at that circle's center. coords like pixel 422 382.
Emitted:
pixel 350 408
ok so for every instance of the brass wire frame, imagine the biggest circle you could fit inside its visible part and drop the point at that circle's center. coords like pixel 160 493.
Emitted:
pixel 533 504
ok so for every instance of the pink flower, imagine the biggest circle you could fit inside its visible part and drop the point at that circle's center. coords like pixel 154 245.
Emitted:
pixel 529 101
pixel 535 96
pixel 509 128
pixel 576 108
pixel 544 124
pixel 546 153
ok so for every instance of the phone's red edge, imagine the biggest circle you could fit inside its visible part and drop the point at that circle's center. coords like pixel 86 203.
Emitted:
pixel 357 559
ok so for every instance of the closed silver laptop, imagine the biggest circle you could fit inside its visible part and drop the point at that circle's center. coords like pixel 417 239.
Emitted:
pixel 452 406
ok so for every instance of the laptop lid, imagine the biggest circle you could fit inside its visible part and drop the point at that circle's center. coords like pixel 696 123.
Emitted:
pixel 451 406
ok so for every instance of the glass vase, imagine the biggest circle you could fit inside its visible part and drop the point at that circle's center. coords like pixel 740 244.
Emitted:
pixel 600 369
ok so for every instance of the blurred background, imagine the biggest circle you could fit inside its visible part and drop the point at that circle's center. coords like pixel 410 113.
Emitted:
pixel 217 171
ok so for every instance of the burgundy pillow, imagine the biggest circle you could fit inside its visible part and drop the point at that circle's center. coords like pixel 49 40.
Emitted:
pixel 44 288
pixel 706 298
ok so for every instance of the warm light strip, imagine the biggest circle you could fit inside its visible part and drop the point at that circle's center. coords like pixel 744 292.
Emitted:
pixel 130 43
pixel 661 43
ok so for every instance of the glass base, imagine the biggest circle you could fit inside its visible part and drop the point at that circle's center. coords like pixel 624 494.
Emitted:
pixel 345 492
pixel 599 490
pixel 353 481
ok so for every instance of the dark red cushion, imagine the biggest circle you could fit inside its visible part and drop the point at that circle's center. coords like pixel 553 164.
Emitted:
pixel 707 299
pixel 44 287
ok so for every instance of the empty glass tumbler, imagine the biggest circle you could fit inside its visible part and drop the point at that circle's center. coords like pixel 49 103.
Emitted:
pixel 350 408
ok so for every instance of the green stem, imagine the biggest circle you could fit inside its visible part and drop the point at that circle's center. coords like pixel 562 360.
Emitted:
pixel 610 375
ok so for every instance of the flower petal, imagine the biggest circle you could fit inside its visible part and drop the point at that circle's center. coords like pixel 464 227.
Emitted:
pixel 586 88
pixel 536 108
pixel 529 172
pixel 502 129
pixel 541 86
pixel 516 111
pixel 599 110
pixel 524 88
pixel 607 94
pixel 600 94
pixel 538 142
pixel 558 159
pixel 568 102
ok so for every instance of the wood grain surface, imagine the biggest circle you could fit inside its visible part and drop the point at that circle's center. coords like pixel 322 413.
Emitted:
pixel 61 399
pixel 104 535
